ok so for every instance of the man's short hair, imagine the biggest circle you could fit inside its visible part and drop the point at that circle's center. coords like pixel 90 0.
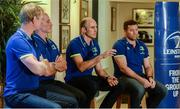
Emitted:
pixel 129 22
pixel 84 22
pixel 29 11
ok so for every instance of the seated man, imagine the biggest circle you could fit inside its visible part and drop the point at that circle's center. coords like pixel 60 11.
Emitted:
pixel 131 55
pixel 23 69
pixel 47 49
pixel 82 55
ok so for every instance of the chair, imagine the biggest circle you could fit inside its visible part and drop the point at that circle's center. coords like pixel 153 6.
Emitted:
pixel 121 99
pixel 124 97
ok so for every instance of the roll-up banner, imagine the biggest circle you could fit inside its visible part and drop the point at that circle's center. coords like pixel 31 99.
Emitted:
pixel 167 50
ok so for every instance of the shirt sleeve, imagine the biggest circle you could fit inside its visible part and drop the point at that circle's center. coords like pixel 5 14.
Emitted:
pixel 120 48
pixel 146 52
pixel 75 49
pixel 22 48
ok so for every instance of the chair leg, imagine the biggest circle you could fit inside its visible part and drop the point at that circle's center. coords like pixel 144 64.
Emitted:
pixel 143 102
pixel 93 103
pixel 118 102
pixel 129 102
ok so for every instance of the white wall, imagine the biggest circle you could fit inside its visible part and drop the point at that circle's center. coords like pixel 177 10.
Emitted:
pixel 74 18
pixel 55 20
pixel 103 28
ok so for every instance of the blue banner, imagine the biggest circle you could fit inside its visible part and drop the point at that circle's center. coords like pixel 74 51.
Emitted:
pixel 167 50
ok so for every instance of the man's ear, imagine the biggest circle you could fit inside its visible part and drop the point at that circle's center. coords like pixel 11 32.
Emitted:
pixel 34 18
pixel 83 30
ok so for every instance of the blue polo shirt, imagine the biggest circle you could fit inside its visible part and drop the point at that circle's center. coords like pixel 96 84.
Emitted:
pixel 18 77
pixel 46 50
pixel 78 46
pixel 134 56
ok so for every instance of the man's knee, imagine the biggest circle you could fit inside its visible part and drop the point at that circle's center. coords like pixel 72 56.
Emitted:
pixel 136 88
pixel 164 92
pixel 81 97
pixel 140 91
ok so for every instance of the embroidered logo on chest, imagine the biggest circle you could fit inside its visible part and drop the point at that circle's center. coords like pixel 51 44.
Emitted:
pixel 141 49
pixel 94 50
pixel 53 47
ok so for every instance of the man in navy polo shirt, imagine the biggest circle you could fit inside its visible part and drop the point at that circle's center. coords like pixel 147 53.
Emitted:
pixel 82 55
pixel 47 49
pixel 23 69
pixel 131 55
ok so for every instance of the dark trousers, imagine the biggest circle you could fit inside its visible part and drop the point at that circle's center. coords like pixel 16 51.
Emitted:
pixel 30 99
pixel 73 96
pixel 137 91
pixel 91 84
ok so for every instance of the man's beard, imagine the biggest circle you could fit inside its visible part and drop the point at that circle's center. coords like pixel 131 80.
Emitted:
pixel 90 36
pixel 131 39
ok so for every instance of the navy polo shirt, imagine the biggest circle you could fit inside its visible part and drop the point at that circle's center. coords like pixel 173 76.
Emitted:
pixel 18 77
pixel 134 56
pixel 77 47
pixel 46 50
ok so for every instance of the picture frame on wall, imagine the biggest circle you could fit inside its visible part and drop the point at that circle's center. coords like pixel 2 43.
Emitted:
pixel 64 37
pixel 113 19
pixel 64 11
pixel 84 9
pixel 144 17
pixel 146 35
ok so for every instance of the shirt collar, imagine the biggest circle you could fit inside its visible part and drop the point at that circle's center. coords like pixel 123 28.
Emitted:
pixel 137 42
pixel 23 33
pixel 41 39
pixel 84 42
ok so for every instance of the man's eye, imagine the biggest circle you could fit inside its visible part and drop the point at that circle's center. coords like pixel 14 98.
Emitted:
pixel 93 27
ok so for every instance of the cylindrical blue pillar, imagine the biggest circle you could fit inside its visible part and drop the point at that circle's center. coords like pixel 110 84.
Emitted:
pixel 167 50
